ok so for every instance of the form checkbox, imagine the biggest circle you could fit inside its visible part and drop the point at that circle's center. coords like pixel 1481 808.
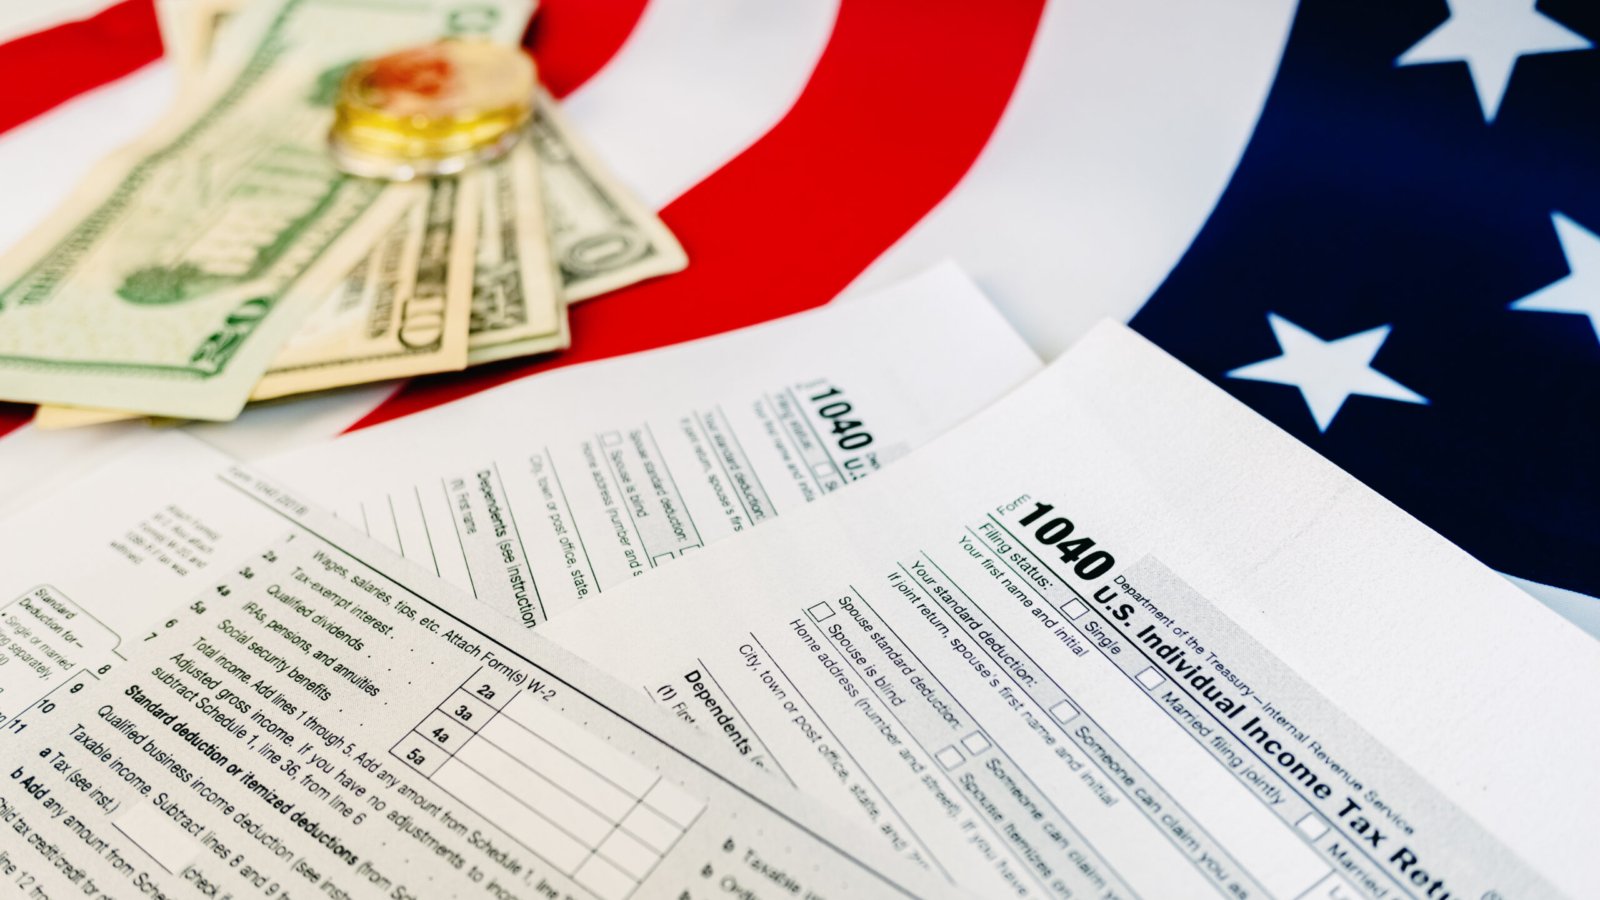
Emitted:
pixel 949 757
pixel 1151 678
pixel 975 743
pixel 821 612
pixel 1064 711
pixel 822 470
pixel 611 439
pixel 1074 609
pixel 1312 826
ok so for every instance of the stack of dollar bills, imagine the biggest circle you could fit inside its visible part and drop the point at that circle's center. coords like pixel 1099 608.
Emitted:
pixel 222 258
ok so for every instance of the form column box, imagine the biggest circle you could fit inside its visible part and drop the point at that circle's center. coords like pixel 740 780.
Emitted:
pixel 674 803
pixel 570 798
pixel 523 823
pixel 652 828
pixel 419 753
pixel 488 690
pixel 453 723
pixel 629 854
pixel 574 776
pixel 467 710
pixel 444 731
pixel 567 736
pixel 606 880
pixel 522 781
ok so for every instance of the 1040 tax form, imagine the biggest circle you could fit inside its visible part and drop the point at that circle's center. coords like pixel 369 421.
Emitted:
pixel 1118 635
pixel 1115 635
pixel 320 718
pixel 544 492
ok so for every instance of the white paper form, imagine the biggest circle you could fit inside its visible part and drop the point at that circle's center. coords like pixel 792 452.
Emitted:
pixel 87 571
pixel 323 719
pixel 541 493
pixel 1119 635
pixel 34 463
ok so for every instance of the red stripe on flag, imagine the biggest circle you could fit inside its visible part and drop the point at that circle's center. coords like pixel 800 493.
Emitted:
pixel 903 99
pixel 48 68
pixel 13 416
pixel 573 40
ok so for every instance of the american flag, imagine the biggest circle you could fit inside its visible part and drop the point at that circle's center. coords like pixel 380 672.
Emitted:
pixel 1377 223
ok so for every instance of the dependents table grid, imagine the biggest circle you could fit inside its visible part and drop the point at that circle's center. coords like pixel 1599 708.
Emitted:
pixel 561 792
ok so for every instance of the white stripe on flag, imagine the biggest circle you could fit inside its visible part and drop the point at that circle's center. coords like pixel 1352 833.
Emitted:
pixel 1124 129
pixel 696 83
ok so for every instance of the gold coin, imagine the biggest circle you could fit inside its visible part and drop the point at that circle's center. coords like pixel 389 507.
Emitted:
pixel 432 109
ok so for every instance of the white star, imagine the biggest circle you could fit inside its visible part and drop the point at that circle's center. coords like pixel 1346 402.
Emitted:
pixel 1490 36
pixel 1327 372
pixel 1579 291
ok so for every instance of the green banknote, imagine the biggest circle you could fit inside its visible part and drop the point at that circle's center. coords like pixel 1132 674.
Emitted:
pixel 517 308
pixel 169 280
pixel 601 236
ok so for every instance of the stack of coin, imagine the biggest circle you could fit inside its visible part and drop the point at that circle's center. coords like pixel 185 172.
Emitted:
pixel 433 109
